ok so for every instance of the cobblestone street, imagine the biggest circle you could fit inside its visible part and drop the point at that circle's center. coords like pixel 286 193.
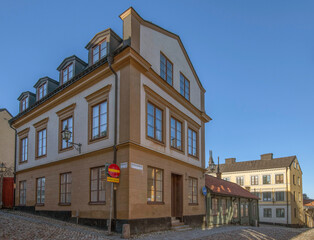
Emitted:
pixel 20 225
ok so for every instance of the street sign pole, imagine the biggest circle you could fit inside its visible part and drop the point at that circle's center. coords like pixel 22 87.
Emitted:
pixel 110 211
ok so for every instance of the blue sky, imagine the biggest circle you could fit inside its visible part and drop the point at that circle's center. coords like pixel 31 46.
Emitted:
pixel 254 58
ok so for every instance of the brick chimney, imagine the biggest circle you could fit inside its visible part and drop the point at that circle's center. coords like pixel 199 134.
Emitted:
pixel 267 156
pixel 230 160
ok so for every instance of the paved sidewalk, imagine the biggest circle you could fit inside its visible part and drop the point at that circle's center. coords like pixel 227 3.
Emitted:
pixel 19 225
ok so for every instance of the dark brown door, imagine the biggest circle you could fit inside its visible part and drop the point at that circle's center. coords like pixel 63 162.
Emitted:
pixel 176 195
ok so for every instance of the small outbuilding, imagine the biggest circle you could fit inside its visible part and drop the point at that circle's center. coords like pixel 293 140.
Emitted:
pixel 229 203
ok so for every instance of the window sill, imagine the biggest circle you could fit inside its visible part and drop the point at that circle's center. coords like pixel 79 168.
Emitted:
pixel 97 203
pixel 94 140
pixel 20 163
pixel 61 150
pixel 155 203
pixel 155 141
pixel 193 204
pixel 64 204
pixel 177 150
pixel 192 156
pixel 40 157
pixel 39 204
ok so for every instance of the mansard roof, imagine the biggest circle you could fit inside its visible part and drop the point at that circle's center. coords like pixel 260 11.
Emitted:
pixel 45 79
pixel 71 59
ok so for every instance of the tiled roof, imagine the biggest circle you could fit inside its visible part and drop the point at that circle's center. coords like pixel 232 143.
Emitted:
pixel 222 187
pixel 308 202
pixel 257 164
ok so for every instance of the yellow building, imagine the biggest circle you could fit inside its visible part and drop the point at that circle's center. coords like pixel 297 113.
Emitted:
pixel 276 181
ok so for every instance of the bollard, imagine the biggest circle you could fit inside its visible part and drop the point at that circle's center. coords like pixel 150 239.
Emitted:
pixel 126 231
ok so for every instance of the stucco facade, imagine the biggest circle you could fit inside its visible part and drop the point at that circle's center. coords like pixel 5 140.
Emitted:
pixel 277 184
pixel 139 83
pixel 7 142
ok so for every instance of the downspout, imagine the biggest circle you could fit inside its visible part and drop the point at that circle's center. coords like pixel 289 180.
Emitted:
pixel 14 172
pixel 287 194
pixel 110 61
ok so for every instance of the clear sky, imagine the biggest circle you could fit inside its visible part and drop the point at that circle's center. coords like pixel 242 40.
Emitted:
pixel 254 58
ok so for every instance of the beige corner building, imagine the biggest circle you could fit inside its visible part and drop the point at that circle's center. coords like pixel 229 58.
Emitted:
pixel 142 108
pixel 276 181
pixel 7 142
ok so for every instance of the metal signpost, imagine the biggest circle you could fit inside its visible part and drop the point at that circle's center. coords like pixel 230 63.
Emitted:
pixel 113 172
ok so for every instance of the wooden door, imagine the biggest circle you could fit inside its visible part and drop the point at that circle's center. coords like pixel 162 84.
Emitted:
pixel 176 195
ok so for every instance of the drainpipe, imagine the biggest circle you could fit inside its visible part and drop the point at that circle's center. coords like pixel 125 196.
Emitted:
pixel 110 61
pixel 14 165
pixel 287 195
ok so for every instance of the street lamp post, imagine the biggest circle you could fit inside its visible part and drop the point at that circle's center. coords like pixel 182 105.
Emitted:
pixel 66 135
pixel 2 170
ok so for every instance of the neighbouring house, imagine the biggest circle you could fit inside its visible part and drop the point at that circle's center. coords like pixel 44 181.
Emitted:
pixel 276 181
pixel 228 203
pixel 137 102
pixel 7 151
pixel 308 205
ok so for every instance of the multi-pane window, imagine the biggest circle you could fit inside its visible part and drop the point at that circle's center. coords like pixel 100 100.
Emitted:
pixel 67 73
pixel 240 180
pixel 224 206
pixel 166 69
pixel 280 212
pixel 154 184
pixel 266 179
pixel 42 91
pixel 99 51
pixel 98 185
pixel 192 190
pixel 22 192
pixel 184 87
pixel 294 196
pixel 24 149
pixel 254 180
pixel 279 178
pixel 246 212
pixel 192 142
pixel 176 134
pixel 280 196
pixel 242 209
pixel 299 181
pixel 293 179
pixel 154 122
pixel 99 120
pixel 235 210
pixel 69 124
pixel 226 179
pixel 65 188
pixel 214 206
pixel 266 196
pixel 256 194
pixel 254 209
pixel 40 190
pixel 267 212
pixel 24 103
pixel 41 142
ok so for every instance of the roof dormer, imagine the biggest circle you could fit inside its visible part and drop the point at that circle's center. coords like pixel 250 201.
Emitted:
pixel 70 67
pixel 101 44
pixel 44 86
pixel 26 99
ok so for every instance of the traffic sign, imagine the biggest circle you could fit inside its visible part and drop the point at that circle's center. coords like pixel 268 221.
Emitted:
pixel 114 170
pixel 204 191
pixel 113 180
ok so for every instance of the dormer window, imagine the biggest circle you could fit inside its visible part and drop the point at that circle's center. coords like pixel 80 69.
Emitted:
pixel 67 73
pixel 24 104
pixel 42 91
pixel 99 51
